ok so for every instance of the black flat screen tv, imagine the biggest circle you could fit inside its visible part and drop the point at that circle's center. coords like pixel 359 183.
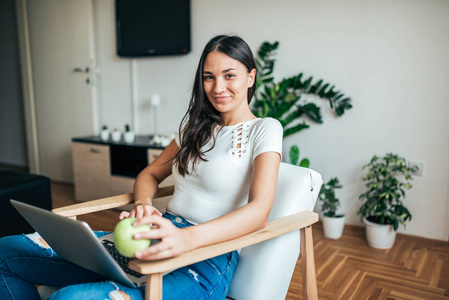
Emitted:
pixel 152 27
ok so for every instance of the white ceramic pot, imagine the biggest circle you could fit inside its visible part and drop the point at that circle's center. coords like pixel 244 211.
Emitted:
pixel 333 227
pixel 379 236
pixel 129 137
pixel 116 136
pixel 104 135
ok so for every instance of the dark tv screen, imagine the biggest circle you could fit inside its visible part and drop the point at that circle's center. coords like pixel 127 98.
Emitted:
pixel 152 27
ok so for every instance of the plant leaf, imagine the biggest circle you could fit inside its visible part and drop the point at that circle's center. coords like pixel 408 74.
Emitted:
pixel 304 163
pixel 295 129
pixel 294 155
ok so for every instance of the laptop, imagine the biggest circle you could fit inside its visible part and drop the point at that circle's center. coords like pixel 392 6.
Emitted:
pixel 76 242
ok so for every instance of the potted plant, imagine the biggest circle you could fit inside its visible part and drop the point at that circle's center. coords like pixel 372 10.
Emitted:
pixel 333 222
pixel 129 135
pixel 383 210
pixel 116 135
pixel 104 134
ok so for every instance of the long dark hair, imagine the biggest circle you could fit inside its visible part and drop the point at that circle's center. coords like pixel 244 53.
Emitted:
pixel 201 118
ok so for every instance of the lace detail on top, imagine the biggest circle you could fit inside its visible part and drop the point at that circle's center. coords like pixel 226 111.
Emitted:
pixel 239 141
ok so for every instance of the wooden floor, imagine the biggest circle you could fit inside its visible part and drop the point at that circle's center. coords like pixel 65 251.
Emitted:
pixel 415 268
pixel 63 195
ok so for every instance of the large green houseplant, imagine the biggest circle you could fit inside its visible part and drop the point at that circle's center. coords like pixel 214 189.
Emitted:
pixel 285 100
pixel 386 181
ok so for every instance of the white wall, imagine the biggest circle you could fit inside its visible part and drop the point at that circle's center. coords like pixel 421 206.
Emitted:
pixel 390 57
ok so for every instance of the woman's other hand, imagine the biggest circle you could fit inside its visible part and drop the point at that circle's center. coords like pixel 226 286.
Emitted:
pixel 173 240
pixel 140 211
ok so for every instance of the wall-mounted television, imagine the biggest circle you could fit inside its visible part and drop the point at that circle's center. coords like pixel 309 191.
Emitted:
pixel 152 27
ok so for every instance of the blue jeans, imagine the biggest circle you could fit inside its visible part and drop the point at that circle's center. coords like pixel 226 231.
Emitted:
pixel 24 263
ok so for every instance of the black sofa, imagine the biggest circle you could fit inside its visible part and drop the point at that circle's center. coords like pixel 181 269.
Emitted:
pixel 29 188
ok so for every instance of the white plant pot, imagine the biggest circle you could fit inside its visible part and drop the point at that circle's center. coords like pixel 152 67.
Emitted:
pixel 333 227
pixel 116 136
pixel 379 236
pixel 104 135
pixel 129 137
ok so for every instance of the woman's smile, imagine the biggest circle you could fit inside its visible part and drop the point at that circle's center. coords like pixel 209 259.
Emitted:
pixel 221 98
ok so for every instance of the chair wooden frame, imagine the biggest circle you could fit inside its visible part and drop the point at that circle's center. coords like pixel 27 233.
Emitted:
pixel 154 270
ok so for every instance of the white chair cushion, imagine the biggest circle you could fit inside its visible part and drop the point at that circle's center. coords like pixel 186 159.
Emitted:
pixel 264 270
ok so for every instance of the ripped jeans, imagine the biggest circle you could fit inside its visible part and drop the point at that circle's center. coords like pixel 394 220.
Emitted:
pixel 25 262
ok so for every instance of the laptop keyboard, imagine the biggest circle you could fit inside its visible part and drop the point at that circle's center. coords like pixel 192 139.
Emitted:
pixel 120 259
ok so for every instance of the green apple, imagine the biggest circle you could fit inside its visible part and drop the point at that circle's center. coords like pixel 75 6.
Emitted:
pixel 123 237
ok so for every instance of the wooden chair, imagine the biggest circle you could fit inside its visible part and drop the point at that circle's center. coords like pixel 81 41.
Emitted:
pixel 268 257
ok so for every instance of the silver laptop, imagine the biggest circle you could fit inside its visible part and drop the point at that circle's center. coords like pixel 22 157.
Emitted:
pixel 76 242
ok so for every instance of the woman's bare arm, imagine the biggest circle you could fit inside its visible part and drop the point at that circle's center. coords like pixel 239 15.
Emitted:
pixel 146 185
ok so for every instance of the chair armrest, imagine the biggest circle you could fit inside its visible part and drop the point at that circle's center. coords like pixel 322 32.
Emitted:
pixel 106 203
pixel 273 229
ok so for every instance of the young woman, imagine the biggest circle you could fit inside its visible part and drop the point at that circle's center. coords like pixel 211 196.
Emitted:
pixel 224 163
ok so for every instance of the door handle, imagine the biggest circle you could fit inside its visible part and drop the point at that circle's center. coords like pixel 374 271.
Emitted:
pixel 95 150
pixel 81 69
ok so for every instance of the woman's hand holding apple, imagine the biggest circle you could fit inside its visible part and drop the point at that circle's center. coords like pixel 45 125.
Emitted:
pixel 124 232
pixel 124 237
pixel 173 240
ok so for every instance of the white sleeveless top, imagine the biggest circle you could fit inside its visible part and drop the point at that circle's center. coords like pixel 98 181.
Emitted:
pixel 221 184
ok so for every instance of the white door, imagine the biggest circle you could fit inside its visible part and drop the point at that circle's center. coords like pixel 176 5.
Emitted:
pixel 61 55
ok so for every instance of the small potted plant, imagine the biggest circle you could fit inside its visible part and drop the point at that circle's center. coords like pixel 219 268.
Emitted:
pixel 104 134
pixel 383 210
pixel 116 135
pixel 129 135
pixel 333 222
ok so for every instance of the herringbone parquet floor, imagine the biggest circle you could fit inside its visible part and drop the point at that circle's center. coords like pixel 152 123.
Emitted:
pixel 347 268
pixel 415 268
